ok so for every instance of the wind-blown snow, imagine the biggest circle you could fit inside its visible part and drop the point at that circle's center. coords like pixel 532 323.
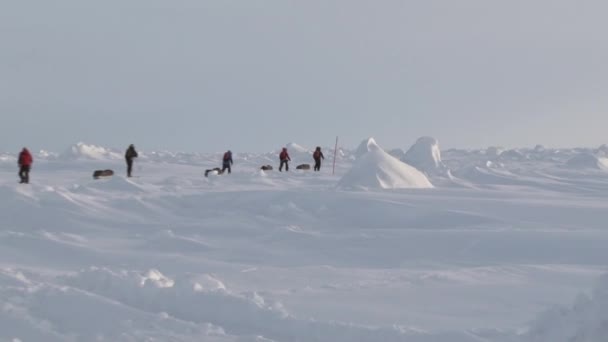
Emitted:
pixel 378 170
pixel 170 255
pixel 364 147
pixel 588 161
pixel 84 151
pixel 424 155
pixel 494 151
pixel 295 148
pixel 585 321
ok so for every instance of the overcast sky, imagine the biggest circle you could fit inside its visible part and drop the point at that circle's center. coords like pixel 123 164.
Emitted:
pixel 253 75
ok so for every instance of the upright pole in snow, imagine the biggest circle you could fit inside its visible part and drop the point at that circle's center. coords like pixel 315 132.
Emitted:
pixel 333 172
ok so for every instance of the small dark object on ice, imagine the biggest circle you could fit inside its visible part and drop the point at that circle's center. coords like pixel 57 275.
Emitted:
pixel 303 167
pixel 266 168
pixel 217 169
pixel 102 173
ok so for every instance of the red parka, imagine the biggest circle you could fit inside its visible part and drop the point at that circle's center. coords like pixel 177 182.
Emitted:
pixel 284 155
pixel 25 158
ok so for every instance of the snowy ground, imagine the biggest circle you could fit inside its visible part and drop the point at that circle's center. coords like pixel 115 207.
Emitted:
pixel 170 255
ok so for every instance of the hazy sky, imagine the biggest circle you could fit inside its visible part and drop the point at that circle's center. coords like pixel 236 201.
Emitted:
pixel 253 75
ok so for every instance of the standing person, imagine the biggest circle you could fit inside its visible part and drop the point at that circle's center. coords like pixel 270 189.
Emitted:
pixel 25 164
pixel 284 157
pixel 317 156
pixel 227 162
pixel 129 156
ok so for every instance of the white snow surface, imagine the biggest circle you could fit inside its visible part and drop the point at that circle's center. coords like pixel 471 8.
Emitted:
pixel 364 147
pixel 588 160
pixel 295 148
pixel 498 252
pixel 424 155
pixel 585 321
pixel 377 169
pixel 87 151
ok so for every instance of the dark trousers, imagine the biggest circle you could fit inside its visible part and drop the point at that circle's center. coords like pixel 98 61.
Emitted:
pixel 317 165
pixel 226 166
pixel 129 166
pixel 284 162
pixel 24 174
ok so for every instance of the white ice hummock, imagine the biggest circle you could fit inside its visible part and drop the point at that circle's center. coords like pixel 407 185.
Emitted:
pixel 424 155
pixel 376 169
pixel 89 152
pixel 588 161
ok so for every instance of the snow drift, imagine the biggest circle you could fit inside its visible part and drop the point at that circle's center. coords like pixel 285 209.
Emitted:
pixel 512 155
pixel 378 170
pixel 424 155
pixel 587 161
pixel 585 321
pixel 90 152
pixel 255 256
pixel 494 151
pixel 364 147
pixel 296 148
pixel 298 153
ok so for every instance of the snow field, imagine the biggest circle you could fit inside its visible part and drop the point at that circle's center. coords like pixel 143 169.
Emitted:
pixel 497 251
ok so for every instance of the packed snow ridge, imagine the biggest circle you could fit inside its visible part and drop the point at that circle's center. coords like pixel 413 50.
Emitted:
pixel 585 321
pixel 588 161
pixel 171 255
pixel 295 148
pixel 425 155
pixel 376 169
pixel 364 147
pixel 91 152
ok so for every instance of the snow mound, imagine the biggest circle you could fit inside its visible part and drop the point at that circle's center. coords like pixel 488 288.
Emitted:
pixel 364 147
pixel 494 151
pixel 602 150
pixel 587 161
pixel 397 153
pixel 204 298
pixel 90 152
pixel 293 147
pixel 585 321
pixel 424 155
pixel 379 170
pixel 512 155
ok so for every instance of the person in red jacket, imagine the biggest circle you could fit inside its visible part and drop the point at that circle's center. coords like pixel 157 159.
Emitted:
pixel 25 164
pixel 284 157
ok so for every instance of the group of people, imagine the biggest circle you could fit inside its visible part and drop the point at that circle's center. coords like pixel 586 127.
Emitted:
pixel 26 160
pixel 285 159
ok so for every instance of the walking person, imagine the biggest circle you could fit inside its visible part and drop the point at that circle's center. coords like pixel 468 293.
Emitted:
pixel 227 162
pixel 129 156
pixel 285 159
pixel 317 156
pixel 25 164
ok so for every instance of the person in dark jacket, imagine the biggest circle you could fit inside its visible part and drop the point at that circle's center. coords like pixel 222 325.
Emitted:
pixel 285 159
pixel 227 162
pixel 129 156
pixel 25 164
pixel 317 156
